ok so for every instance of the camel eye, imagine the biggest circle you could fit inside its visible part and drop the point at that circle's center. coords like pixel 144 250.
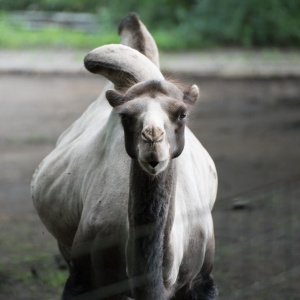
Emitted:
pixel 182 116
pixel 126 118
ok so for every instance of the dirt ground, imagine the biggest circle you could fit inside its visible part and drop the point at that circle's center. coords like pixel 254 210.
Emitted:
pixel 250 127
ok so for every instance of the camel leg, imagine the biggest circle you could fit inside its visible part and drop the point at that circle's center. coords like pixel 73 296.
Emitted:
pixel 72 287
pixel 203 287
pixel 78 282
pixel 95 272
pixel 81 286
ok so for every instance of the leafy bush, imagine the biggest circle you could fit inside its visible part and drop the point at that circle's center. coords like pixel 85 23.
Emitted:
pixel 248 22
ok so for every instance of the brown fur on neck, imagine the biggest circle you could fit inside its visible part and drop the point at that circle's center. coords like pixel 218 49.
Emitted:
pixel 151 214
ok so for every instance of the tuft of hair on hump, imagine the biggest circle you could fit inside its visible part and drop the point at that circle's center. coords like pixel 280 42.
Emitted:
pixel 191 92
pixel 178 83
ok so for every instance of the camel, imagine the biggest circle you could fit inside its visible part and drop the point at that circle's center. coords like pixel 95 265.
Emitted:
pixel 128 190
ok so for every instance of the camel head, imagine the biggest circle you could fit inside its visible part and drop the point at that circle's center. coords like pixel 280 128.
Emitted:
pixel 153 111
pixel 153 114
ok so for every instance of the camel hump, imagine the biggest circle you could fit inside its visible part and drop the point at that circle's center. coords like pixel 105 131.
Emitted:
pixel 122 65
pixel 134 34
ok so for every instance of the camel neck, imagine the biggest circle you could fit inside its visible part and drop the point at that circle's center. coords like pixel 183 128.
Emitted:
pixel 151 214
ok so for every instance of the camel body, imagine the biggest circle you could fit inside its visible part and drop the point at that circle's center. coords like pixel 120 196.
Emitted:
pixel 81 191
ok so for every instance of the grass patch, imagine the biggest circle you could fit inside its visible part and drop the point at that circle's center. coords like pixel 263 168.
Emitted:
pixel 35 271
pixel 23 266
pixel 15 36
pixel 55 278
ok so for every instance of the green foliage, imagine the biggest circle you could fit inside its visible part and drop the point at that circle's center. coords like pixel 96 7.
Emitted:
pixel 15 36
pixel 195 23
pixel 18 37
pixel 247 23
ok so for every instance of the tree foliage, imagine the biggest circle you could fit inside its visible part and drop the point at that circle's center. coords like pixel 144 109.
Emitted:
pixel 205 22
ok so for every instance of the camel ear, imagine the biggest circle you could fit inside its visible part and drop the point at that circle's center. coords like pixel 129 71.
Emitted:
pixel 122 65
pixel 114 98
pixel 191 95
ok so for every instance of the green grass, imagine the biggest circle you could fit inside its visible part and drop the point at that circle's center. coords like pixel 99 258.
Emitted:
pixel 20 258
pixel 14 36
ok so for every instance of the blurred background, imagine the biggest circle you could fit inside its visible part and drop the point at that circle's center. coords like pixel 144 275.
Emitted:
pixel 175 24
pixel 244 56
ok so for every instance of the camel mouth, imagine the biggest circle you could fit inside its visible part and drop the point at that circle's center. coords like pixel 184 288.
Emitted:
pixel 153 164
pixel 153 167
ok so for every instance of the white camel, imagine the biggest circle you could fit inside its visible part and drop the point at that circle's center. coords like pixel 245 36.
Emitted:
pixel 128 190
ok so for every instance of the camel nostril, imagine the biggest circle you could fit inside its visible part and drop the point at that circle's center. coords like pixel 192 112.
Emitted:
pixel 145 137
pixel 153 164
pixel 152 135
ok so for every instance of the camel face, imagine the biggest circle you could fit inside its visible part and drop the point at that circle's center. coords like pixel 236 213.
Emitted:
pixel 153 115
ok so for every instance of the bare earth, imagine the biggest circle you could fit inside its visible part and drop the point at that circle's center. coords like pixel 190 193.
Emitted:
pixel 250 127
